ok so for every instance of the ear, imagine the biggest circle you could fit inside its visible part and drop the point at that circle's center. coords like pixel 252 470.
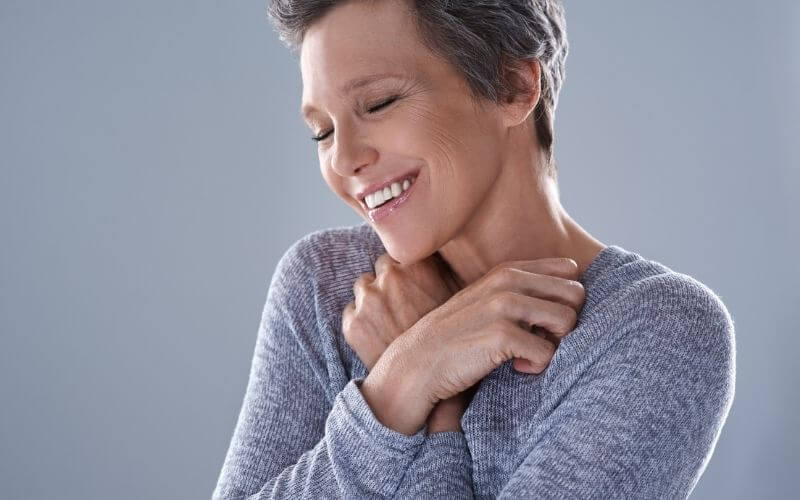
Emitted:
pixel 524 78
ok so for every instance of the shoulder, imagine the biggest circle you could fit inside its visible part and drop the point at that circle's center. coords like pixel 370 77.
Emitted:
pixel 639 308
pixel 325 255
pixel 311 284
pixel 624 287
pixel 677 329
pixel 675 298
pixel 320 268
pixel 679 342
pixel 679 310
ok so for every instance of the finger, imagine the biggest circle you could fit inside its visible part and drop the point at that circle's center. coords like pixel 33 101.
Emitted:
pixel 563 267
pixel 524 366
pixel 564 291
pixel 347 315
pixel 541 332
pixel 360 287
pixel 533 353
pixel 556 318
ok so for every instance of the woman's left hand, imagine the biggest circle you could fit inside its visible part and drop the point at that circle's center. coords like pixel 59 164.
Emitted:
pixel 390 300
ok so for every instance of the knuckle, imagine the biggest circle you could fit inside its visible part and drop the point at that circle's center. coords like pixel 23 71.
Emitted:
pixel 572 314
pixel 578 288
pixel 503 273
pixel 569 317
pixel 501 301
pixel 545 352
pixel 505 334
pixel 363 279
pixel 541 364
pixel 563 267
pixel 369 299
pixel 497 357
pixel 501 342
pixel 349 309
pixel 350 331
pixel 495 278
pixel 570 265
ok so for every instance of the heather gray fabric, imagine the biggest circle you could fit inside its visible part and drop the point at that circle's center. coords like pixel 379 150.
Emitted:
pixel 631 405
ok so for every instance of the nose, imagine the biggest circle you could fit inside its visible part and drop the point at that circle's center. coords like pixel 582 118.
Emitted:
pixel 351 151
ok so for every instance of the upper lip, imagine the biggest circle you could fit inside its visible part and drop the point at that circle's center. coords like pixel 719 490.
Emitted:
pixel 382 184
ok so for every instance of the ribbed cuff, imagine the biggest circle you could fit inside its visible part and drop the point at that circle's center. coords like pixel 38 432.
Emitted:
pixel 442 468
pixel 366 451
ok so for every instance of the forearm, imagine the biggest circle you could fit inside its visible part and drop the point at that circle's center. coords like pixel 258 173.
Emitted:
pixel 356 457
pixel 397 393
pixel 446 416
pixel 442 469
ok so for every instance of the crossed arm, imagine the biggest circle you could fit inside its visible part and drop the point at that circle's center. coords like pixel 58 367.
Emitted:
pixel 631 426
pixel 291 442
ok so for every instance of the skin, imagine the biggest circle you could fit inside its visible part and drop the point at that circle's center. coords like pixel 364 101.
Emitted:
pixel 481 182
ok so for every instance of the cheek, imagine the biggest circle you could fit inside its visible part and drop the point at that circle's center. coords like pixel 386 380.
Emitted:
pixel 435 135
pixel 459 149
pixel 332 179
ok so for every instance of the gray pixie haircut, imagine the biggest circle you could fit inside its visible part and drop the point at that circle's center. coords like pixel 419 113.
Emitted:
pixel 482 39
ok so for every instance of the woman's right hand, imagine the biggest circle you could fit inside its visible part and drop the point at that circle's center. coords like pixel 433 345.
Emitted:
pixel 480 327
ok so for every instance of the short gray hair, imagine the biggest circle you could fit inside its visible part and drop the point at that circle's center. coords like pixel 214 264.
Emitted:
pixel 480 38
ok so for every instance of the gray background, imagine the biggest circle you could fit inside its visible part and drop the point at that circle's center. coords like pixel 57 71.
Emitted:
pixel 154 169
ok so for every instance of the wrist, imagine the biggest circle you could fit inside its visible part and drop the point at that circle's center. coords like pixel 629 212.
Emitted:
pixel 446 416
pixel 395 394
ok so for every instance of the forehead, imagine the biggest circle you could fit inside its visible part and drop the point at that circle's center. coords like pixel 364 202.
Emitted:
pixel 356 40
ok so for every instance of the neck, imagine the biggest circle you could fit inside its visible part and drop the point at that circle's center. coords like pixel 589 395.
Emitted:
pixel 520 219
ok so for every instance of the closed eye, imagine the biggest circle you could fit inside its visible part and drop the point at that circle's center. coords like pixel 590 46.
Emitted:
pixel 322 137
pixel 373 109
pixel 383 104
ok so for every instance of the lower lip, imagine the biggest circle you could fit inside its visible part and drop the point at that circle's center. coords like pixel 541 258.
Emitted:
pixel 376 214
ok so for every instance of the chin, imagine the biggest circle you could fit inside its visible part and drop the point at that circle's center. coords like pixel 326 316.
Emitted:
pixel 407 251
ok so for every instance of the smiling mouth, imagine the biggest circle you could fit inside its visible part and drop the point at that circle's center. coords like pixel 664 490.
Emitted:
pixel 380 197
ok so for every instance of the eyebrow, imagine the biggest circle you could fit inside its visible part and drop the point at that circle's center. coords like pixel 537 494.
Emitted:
pixel 352 85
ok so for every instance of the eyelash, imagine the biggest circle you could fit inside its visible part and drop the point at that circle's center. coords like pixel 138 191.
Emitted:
pixel 373 109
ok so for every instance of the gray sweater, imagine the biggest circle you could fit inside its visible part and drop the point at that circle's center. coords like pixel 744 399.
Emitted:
pixel 630 406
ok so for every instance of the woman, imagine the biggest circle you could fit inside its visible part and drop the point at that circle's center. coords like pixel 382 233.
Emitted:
pixel 469 339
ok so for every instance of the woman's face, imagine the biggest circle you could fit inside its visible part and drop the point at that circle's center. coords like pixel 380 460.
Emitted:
pixel 415 118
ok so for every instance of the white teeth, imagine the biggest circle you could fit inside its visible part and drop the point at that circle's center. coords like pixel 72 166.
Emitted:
pixel 383 195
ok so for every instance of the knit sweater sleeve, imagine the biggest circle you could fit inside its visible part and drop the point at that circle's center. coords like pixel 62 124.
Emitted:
pixel 441 469
pixel 289 440
pixel 644 420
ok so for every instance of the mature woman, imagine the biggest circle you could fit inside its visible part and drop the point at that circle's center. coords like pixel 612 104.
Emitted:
pixel 469 338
